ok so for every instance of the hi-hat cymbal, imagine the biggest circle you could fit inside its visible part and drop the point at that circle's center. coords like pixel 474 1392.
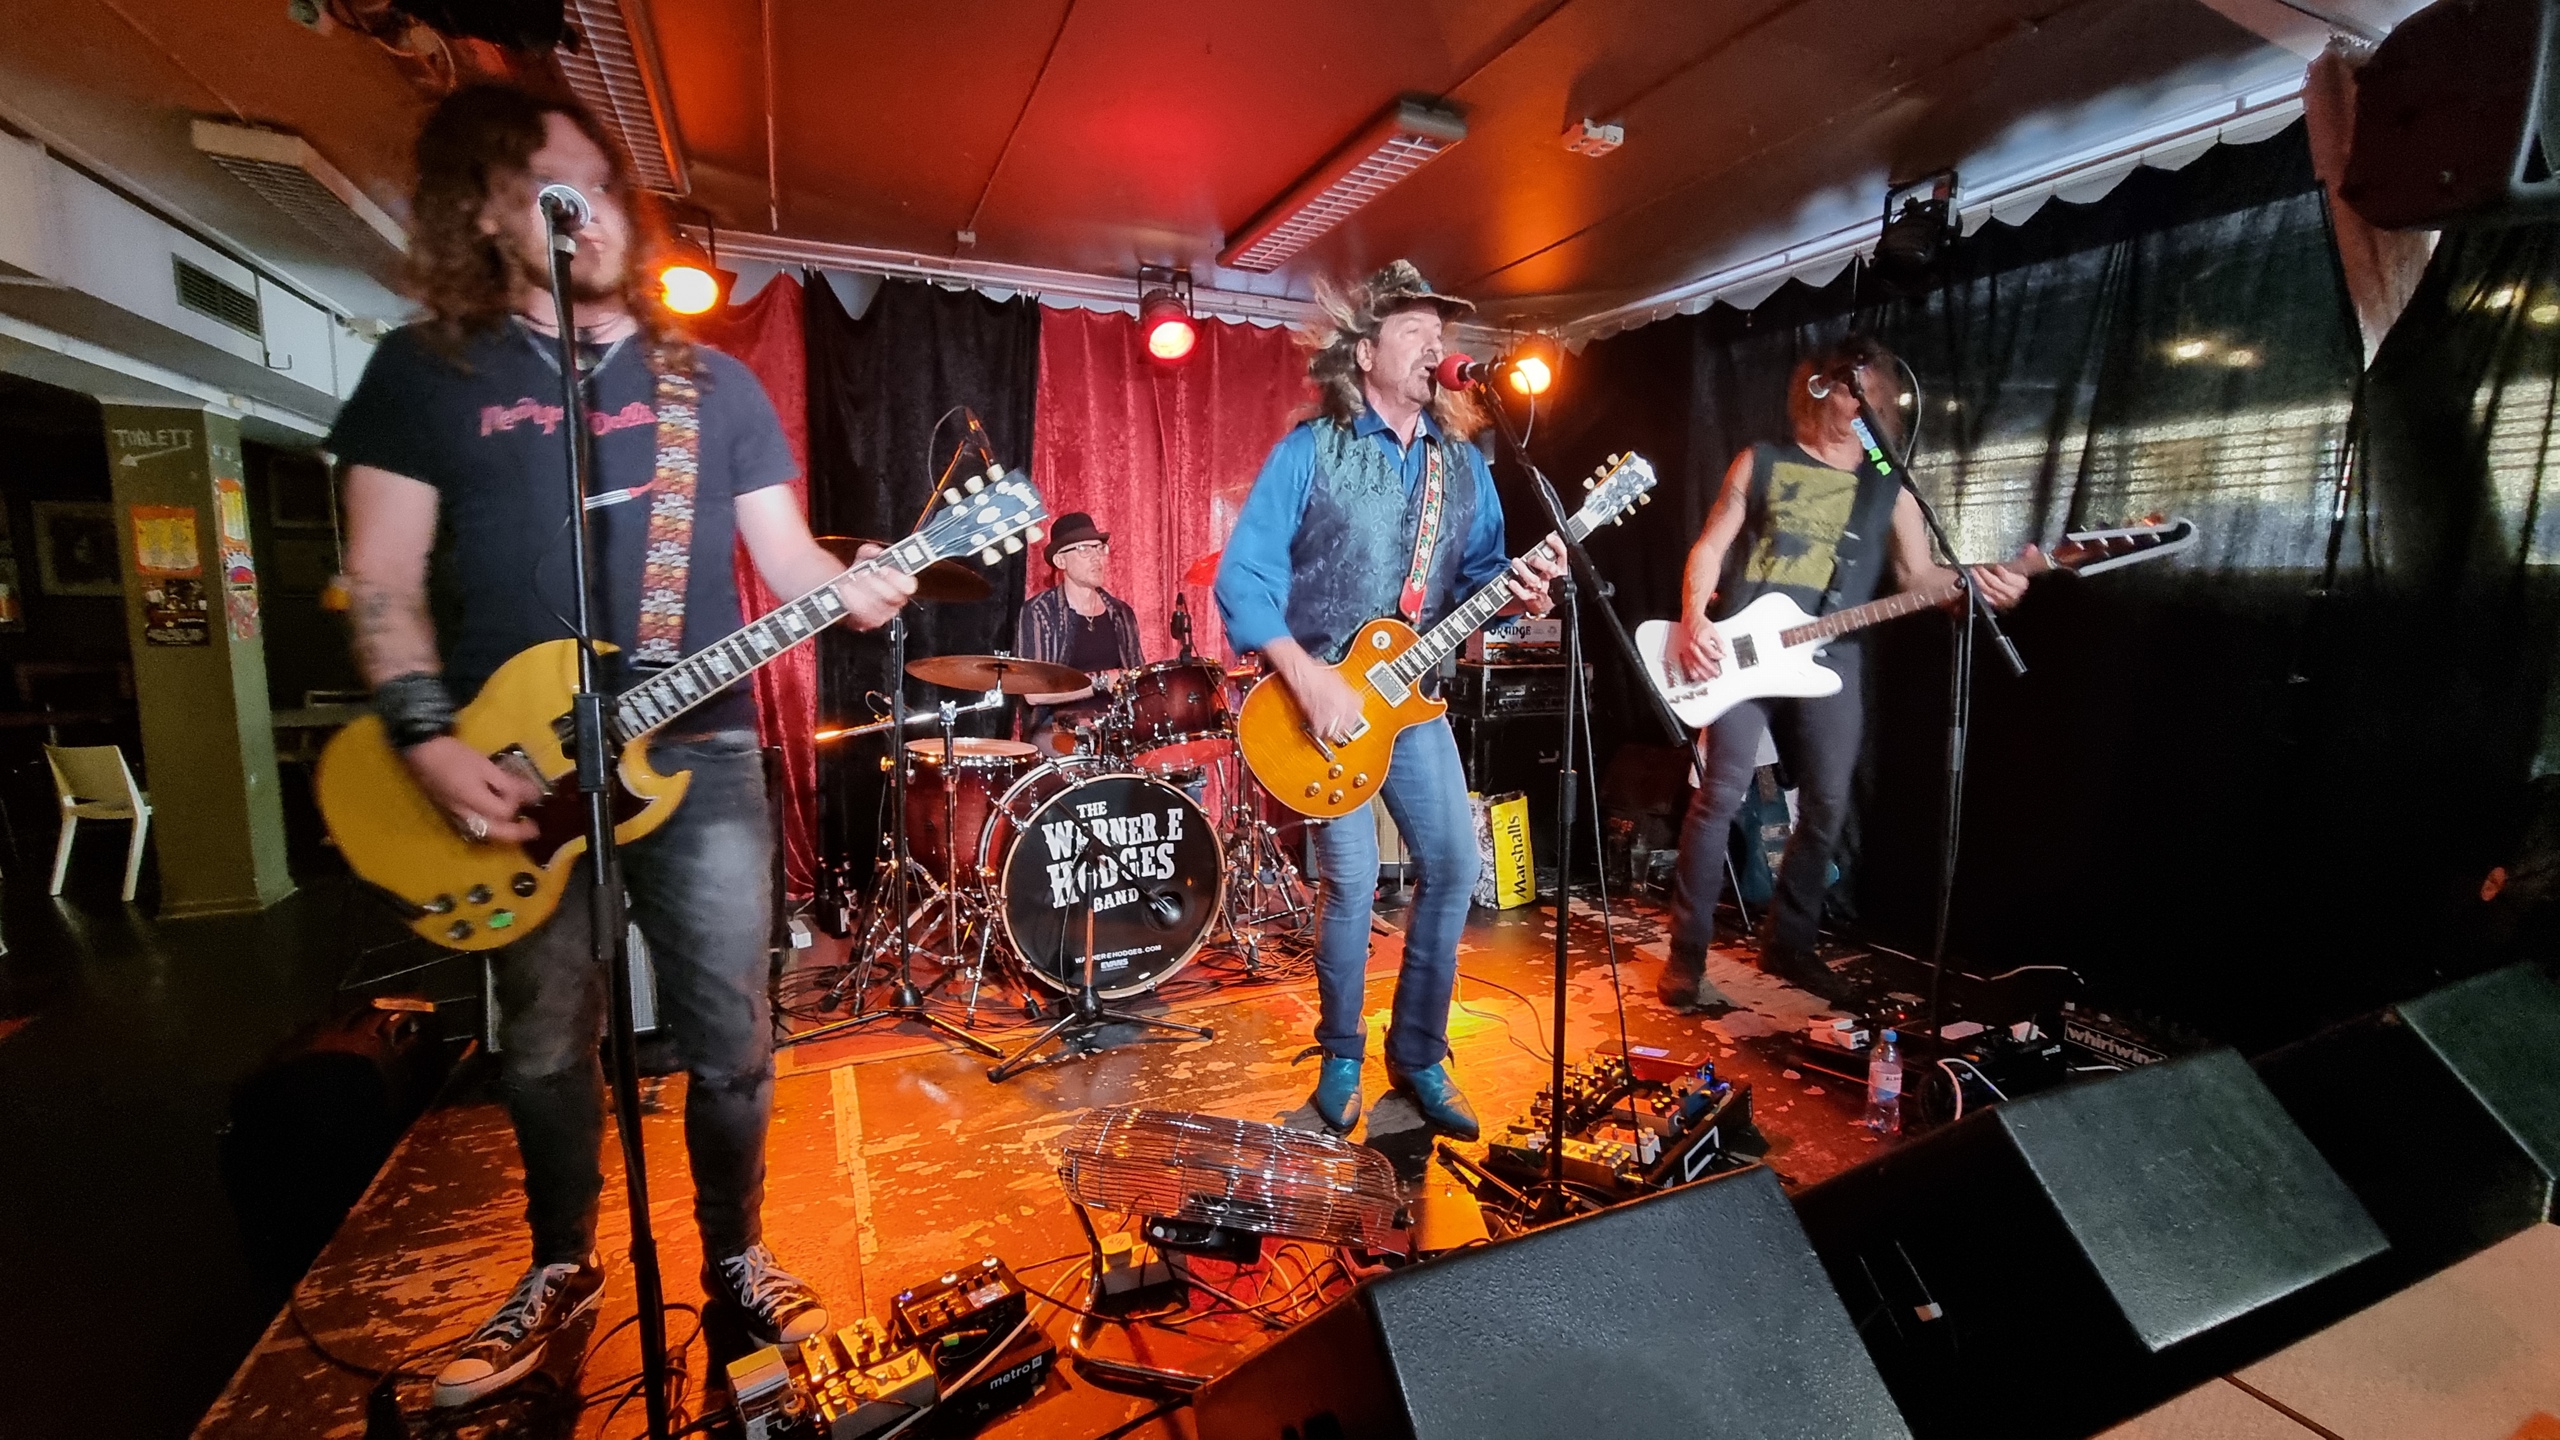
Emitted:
pixel 946 582
pixel 1011 674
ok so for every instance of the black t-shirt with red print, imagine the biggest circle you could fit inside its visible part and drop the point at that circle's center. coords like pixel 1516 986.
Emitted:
pixel 485 431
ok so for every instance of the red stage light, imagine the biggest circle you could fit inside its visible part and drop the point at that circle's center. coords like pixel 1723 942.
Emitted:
pixel 1166 328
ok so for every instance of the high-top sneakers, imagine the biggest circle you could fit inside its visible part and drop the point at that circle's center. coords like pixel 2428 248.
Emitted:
pixel 777 1307
pixel 511 1341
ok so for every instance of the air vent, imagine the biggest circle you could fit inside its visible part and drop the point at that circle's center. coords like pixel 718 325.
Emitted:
pixel 613 69
pixel 215 298
pixel 287 173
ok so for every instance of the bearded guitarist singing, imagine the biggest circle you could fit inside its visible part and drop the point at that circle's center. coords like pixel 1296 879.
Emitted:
pixel 1812 520
pixel 456 466
pixel 1378 506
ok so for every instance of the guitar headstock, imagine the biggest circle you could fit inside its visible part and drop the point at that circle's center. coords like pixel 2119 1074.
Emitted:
pixel 1618 486
pixel 2092 551
pixel 988 516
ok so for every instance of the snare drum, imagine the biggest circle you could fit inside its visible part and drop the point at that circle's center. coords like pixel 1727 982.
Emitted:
pixel 981 770
pixel 1173 715
pixel 1154 873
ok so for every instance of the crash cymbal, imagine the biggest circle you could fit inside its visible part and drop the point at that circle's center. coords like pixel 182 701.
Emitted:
pixel 944 582
pixel 1011 674
pixel 1203 571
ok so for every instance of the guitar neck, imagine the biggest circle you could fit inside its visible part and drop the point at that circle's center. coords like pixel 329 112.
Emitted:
pixel 667 694
pixel 1874 612
pixel 1442 640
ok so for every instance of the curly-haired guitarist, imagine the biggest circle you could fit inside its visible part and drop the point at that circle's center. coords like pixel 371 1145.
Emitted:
pixel 457 471
pixel 1378 506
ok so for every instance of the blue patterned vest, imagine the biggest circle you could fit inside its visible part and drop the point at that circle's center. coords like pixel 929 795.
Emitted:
pixel 1355 539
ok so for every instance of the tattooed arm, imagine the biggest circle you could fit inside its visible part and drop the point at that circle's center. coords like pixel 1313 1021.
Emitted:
pixel 391 526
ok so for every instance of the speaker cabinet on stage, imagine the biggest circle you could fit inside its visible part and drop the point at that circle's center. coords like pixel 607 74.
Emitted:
pixel 2443 1114
pixel 1697 1313
pixel 2055 1263
pixel 2458 118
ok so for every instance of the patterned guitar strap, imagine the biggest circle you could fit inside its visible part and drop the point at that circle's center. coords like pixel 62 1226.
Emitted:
pixel 1426 539
pixel 668 560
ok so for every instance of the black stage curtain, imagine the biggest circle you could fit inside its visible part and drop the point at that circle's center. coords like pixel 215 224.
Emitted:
pixel 2214 795
pixel 878 386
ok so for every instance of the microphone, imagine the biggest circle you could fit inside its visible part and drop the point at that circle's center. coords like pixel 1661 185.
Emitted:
pixel 564 207
pixel 1458 372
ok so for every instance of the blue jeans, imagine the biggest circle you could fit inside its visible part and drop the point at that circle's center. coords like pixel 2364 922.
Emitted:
pixel 701 890
pixel 1426 794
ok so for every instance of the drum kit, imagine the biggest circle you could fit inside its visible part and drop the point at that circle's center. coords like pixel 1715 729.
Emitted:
pixel 1090 876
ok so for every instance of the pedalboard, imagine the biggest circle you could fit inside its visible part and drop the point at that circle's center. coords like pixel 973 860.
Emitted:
pixel 957 1347
pixel 845 1386
pixel 1633 1128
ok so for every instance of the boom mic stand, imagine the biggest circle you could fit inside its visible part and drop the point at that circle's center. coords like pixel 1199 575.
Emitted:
pixel 1554 1199
pixel 1959 680
pixel 564 216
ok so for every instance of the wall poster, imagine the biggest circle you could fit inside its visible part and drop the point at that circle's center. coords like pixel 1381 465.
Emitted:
pixel 168 560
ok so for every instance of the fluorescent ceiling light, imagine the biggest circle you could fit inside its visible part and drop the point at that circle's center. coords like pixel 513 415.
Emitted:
pixel 613 69
pixel 287 173
pixel 1397 143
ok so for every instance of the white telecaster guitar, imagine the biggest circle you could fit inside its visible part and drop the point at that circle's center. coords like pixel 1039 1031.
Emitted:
pixel 1770 648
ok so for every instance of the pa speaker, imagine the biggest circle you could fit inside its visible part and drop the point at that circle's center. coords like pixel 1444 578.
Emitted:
pixel 2443 1114
pixel 1697 1313
pixel 2058 1262
pixel 2457 118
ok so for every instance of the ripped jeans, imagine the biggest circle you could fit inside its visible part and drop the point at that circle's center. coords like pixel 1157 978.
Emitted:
pixel 701 891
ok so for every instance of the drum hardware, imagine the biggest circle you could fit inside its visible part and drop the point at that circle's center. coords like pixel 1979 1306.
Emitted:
pixel 1078 1028
pixel 861 970
pixel 1009 673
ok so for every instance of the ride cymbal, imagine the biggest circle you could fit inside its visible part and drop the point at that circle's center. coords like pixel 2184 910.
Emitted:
pixel 1011 674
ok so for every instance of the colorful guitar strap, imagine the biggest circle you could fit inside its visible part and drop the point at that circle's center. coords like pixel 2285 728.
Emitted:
pixel 668 560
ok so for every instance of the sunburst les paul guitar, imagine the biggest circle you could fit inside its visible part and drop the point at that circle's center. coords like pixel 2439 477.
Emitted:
pixel 1384 668
pixel 477 896
pixel 1771 646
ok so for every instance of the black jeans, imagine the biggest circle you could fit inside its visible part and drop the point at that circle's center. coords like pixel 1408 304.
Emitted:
pixel 1818 740
pixel 701 891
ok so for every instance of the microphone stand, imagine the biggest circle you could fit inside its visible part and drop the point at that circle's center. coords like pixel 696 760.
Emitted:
pixel 1959 681
pixel 1555 1201
pixel 595 786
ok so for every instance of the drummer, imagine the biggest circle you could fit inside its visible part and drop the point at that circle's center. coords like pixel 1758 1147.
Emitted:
pixel 1079 624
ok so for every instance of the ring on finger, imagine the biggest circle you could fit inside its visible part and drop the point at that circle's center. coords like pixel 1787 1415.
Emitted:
pixel 476 826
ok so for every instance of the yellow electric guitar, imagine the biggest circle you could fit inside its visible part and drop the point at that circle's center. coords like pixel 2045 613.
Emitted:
pixel 1384 667
pixel 477 896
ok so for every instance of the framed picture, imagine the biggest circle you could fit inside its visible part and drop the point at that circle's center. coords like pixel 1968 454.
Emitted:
pixel 76 544
pixel 298 495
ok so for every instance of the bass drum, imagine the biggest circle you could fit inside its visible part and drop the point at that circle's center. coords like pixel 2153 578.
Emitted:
pixel 1154 870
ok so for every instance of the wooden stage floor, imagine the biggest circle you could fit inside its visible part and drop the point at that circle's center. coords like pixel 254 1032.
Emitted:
pixel 892 1161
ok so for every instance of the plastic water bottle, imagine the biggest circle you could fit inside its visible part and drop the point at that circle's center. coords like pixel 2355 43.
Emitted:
pixel 1884 1085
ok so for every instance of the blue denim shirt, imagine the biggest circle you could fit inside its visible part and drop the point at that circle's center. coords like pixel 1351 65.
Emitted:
pixel 1254 575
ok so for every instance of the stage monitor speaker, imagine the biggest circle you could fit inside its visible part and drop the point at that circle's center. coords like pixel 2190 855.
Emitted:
pixel 2059 1262
pixel 2443 1114
pixel 1697 1313
pixel 2457 118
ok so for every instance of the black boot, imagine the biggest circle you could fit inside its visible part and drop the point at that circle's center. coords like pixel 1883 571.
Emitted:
pixel 1685 988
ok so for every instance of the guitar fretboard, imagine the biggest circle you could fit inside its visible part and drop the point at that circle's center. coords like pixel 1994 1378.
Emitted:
pixel 1442 640
pixel 1876 612
pixel 669 693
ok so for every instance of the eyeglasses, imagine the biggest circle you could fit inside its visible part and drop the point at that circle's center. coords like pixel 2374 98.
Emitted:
pixel 1088 547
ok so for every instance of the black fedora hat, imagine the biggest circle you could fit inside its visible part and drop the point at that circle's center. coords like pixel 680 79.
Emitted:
pixel 1073 528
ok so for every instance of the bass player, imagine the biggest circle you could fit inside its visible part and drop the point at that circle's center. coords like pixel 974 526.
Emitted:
pixel 1808 517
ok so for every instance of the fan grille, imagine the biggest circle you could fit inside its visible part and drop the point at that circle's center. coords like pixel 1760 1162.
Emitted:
pixel 1241 1174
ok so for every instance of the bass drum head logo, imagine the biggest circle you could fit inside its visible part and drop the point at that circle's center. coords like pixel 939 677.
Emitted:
pixel 1145 860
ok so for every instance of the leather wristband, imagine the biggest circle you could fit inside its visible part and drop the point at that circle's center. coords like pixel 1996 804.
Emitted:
pixel 415 708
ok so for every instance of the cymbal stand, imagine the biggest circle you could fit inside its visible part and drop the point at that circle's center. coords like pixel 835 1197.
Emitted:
pixel 906 1001
pixel 1086 1014
pixel 1263 885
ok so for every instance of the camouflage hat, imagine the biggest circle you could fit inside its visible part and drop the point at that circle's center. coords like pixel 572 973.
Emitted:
pixel 1399 285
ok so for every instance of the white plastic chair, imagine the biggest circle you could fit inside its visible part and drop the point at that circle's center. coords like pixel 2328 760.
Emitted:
pixel 93 783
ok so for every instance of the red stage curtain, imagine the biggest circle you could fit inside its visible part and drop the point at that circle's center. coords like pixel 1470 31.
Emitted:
pixel 765 334
pixel 1162 455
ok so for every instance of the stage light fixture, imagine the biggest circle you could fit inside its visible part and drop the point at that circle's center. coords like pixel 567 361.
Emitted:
pixel 690 280
pixel 1529 365
pixel 1165 324
pixel 1398 142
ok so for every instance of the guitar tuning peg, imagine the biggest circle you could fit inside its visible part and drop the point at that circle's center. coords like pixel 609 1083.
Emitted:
pixel 991 556
pixel 1590 484
pixel 1646 498
pixel 1013 544
pixel 975 485
pixel 1032 534
pixel 953 496
pixel 994 471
